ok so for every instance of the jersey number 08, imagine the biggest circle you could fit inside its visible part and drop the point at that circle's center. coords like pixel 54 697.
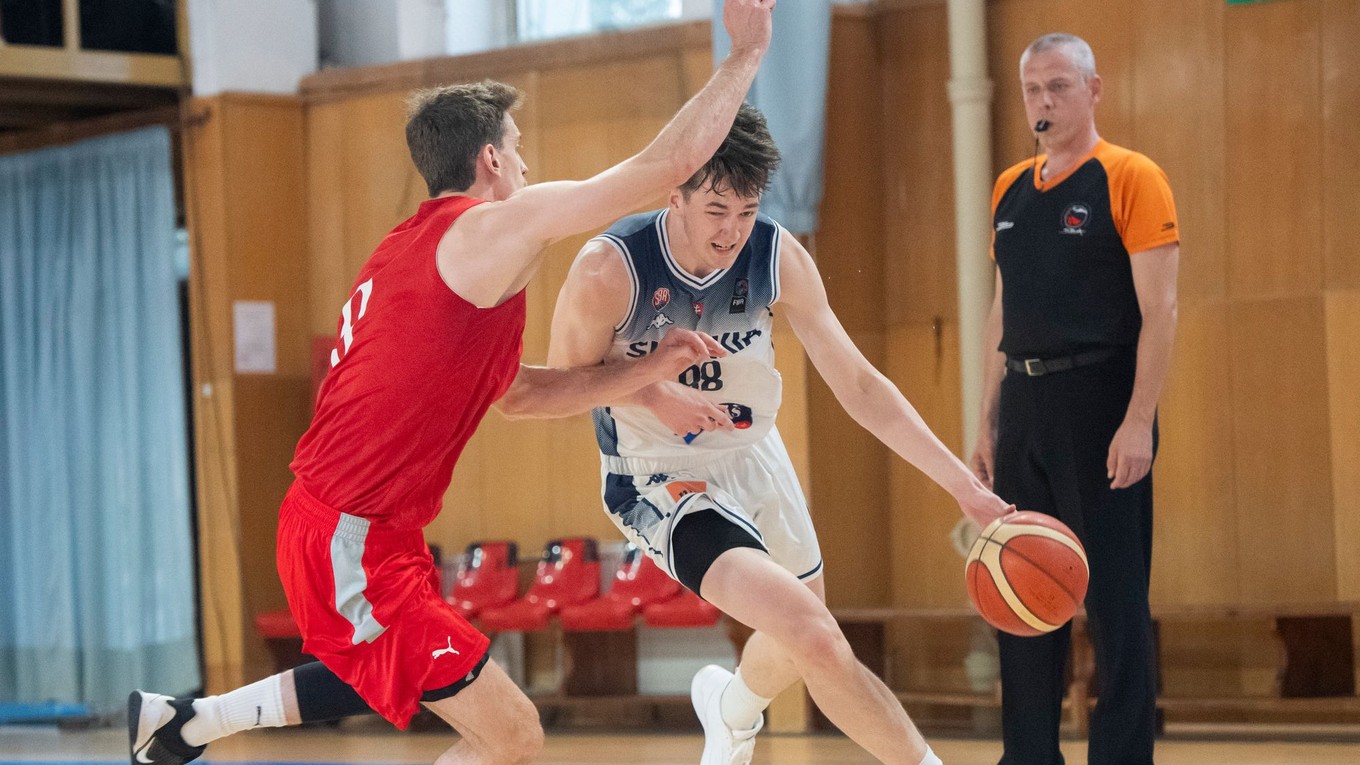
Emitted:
pixel 706 376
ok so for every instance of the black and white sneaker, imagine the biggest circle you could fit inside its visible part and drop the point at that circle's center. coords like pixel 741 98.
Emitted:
pixel 154 723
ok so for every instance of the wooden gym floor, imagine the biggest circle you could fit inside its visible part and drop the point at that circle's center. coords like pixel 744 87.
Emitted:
pixel 366 744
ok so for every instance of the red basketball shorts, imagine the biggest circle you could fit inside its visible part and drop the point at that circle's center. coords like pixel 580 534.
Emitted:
pixel 368 604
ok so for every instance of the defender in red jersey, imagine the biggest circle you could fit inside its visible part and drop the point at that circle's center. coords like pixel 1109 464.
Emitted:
pixel 428 341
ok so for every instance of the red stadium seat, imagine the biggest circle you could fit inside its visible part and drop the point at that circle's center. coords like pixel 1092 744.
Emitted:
pixel 568 573
pixel 277 624
pixel 638 583
pixel 488 577
pixel 686 610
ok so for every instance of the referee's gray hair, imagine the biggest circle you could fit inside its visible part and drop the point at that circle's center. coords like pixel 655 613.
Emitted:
pixel 1078 52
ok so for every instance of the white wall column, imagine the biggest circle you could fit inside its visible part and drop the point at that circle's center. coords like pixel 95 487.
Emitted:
pixel 970 93
pixel 255 46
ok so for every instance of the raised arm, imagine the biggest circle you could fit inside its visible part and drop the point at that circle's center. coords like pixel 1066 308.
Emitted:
pixel 869 397
pixel 495 248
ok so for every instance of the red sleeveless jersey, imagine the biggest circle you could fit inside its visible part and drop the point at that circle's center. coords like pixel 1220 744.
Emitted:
pixel 414 369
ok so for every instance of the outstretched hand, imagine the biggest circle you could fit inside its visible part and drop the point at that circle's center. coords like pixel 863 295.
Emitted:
pixel 748 23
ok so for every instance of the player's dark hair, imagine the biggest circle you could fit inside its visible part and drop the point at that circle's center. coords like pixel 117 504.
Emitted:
pixel 447 127
pixel 744 162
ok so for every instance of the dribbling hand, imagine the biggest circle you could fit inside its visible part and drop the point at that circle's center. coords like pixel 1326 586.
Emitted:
pixel 982 507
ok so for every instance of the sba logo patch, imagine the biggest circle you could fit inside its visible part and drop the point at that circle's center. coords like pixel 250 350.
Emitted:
pixel 1074 219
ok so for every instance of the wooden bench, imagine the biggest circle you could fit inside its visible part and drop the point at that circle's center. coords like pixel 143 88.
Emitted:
pixel 1316 646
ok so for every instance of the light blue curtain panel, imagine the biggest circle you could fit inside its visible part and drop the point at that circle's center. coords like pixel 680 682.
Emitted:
pixel 790 89
pixel 96 556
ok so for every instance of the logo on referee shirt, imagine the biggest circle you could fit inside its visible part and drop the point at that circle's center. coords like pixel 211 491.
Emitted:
pixel 1074 219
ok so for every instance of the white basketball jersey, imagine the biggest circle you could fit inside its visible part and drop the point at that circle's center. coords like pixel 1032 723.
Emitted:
pixel 732 305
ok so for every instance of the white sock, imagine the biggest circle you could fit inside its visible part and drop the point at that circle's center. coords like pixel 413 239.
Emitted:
pixel 258 705
pixel 740 706
pixel 930 758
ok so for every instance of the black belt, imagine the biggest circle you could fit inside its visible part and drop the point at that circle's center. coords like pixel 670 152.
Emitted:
pixel 1037 367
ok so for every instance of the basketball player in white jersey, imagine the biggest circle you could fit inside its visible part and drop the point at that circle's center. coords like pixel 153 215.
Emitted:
pixel 710 494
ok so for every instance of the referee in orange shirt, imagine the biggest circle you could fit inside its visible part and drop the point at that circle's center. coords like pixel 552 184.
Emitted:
pixel 1086 245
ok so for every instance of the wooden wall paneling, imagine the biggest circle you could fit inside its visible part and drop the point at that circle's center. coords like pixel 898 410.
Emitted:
pixel 1178 82
pixel 850 241
pixel 1203 659
pixel 263 140
pixel 848 465
pixel 924 362
pixel 1196 557
pixel 696 66
pixel 794 367
pixel 219 551
pixel 1281 450
pixel 1011 25
pixel 267 252
pixel 852 505
pixel 1343 369
pixel 380 185
pixel 1341 141
pixel 918 193
pixel 1273 181
pixel 330 276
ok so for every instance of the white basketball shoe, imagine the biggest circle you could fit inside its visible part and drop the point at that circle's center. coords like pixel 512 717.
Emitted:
pixel 722 745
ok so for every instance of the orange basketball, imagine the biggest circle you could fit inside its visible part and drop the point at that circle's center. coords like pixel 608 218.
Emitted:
pixel 1027 573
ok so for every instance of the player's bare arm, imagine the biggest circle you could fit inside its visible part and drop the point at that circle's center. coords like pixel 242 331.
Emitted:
pixel 868 396
pixel 543 392
pixel 593 300
pixel 494 249
pixel 1154 281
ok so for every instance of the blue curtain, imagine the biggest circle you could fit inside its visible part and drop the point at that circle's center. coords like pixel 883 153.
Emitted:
pixel 790 89
pixel 96 557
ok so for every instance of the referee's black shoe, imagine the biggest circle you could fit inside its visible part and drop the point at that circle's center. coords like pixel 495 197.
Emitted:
pixel 153 739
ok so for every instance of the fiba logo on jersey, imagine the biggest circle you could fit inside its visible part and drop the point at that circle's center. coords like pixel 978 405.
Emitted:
pixel 1074 218
pixel 739 293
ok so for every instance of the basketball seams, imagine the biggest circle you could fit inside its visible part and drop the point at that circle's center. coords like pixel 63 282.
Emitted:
pixel 1040 568
pixel 987 550
pixel 991 558
pixel 1019 530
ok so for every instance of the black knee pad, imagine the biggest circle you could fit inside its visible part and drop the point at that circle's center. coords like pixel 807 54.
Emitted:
pixel 322 696
pixel 699 538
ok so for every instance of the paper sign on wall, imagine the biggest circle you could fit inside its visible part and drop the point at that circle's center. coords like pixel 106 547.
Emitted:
pixel 253 323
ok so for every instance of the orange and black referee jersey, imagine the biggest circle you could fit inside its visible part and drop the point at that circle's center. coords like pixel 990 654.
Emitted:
pixel 1063 248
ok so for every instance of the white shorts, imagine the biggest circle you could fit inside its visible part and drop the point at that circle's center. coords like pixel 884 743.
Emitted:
pixel 754 487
